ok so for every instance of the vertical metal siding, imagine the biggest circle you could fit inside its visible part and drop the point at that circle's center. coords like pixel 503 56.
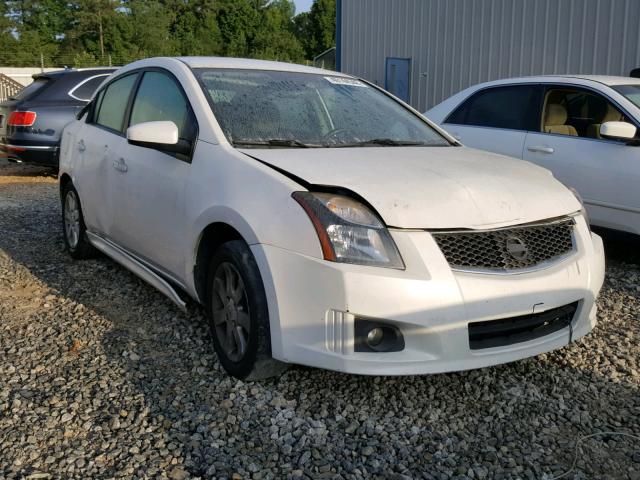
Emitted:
pixel 453 44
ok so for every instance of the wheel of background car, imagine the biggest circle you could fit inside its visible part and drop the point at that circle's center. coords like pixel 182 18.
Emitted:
pixel 73 227
pixel 238 314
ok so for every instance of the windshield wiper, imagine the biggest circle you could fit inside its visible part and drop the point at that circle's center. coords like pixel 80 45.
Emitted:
pixel 275 142
pixel 382 141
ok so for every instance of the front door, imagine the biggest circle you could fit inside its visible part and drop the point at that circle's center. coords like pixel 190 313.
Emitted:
pixel 397 77
pixel 150 214
pixel 606 173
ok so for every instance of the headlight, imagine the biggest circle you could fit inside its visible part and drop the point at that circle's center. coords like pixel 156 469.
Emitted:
pixel 348 231
pixel 583 211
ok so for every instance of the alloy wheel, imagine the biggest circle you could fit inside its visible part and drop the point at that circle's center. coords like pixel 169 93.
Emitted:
pixel 72 219
pixel 230 307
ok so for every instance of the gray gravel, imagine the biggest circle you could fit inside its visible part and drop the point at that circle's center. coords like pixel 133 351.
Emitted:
pixel 101 377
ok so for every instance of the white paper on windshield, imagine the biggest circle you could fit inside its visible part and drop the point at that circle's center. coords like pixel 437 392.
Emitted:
pixel 351 82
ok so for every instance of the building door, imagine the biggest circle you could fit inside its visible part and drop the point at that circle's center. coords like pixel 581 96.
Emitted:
pixel 397 77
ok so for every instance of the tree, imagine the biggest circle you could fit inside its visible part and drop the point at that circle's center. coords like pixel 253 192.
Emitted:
pixel 275 37
pixel 195 27
pixel 94 27
pixel 302 31
pixel 49 19
pixel 7 41
pixel 237 21
pixel 149 30
pixel 322 25
pixel 92 32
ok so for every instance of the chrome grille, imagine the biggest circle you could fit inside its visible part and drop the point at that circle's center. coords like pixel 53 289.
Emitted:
pixel 507 249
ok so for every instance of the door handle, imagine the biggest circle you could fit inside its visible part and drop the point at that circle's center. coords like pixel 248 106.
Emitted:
pixel 120 165
pixel 81 146
pixel 540 149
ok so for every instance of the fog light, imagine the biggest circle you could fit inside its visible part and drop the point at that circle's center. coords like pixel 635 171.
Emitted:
pixel 374 337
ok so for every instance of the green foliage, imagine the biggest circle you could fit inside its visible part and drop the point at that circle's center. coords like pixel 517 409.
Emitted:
pixel 99 32
pixel 322 28
pixel 7 41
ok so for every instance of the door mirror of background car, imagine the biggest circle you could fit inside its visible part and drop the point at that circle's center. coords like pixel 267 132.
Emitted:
pixel 620 130
pixel 160 135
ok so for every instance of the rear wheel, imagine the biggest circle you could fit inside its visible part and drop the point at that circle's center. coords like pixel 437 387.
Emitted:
pixel 73 227
pixel 238 314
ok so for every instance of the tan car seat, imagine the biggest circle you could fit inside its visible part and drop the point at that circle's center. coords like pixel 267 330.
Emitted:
pixel 555 116
pixel 611 115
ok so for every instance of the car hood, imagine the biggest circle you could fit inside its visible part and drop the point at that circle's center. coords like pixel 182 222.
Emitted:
pixel 432 187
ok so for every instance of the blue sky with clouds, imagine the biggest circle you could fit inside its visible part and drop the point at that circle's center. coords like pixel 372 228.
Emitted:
pixel 302 5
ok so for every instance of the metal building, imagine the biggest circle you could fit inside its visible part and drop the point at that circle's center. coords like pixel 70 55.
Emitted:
pixel 426 50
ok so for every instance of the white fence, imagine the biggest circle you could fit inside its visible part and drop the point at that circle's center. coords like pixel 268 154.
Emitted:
pixel 8 87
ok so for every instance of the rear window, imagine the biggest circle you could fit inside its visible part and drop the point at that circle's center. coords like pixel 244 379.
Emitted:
pixel 30 90
pixel 513 107
pixel 85 89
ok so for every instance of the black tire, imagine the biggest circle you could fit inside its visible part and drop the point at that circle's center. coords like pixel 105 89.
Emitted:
pixel 254 362
pixel 81 248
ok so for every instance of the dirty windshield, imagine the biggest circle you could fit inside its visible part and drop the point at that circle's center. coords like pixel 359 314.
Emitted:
pixel 299 110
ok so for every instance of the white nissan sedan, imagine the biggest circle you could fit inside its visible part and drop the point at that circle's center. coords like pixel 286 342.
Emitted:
pixel 585 129
pixel 323 222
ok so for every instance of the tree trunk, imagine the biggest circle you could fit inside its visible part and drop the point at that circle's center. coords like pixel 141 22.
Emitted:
pixel 101 37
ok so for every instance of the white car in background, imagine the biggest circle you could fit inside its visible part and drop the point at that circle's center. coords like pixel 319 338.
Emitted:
pixel 585 129
pixel 322 222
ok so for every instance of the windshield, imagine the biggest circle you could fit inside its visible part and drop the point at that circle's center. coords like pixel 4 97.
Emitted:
pixel 297 110
pixel 632 92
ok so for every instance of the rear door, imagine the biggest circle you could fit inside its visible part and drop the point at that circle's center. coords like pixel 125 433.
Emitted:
pixel 496 118
pixel 606 173
pixel 149 214
pixel 98 146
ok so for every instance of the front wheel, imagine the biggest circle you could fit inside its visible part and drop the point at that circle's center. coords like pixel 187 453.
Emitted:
pixel 73 227
pixel 239 316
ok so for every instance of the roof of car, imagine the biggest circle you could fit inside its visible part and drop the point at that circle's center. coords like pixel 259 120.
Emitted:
pixel 608 79
pixel 67 71
pixel 250 64
pixel 603 79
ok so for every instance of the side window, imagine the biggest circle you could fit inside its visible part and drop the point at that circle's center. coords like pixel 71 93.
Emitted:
pixel 94 106
pixel 160 98
pixel 113 103
pixel 84 90
pixel 512 107
pixel 576 112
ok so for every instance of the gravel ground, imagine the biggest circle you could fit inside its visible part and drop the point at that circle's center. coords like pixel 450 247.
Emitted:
pixel 101 377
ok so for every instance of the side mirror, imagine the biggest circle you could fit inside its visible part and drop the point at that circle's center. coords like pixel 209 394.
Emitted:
pixel 153 134
pixel 161 135
pixel 617 130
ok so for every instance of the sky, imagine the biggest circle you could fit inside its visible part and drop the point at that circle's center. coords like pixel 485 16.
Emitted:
pixel 302 5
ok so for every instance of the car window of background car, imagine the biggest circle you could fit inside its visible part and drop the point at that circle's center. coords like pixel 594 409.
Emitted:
pixel 114 103
pixel 512 107
pixel 160 98
pixel 31 89
pixel 309 108
pixel 84 90
pixel 577 112
pixel 632 92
